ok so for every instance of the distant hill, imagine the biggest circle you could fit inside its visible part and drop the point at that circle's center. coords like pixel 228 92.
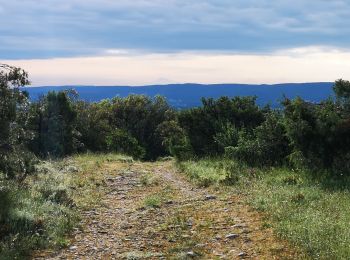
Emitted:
pixel 189 95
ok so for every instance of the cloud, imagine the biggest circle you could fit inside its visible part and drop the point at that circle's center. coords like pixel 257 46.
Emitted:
pixel 306 64
pixel 64 28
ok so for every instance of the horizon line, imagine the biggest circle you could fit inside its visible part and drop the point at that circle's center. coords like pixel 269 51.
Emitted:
pixel 177 84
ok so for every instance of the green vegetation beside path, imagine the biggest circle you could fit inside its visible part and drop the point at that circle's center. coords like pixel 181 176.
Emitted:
pixel 310 212
pixel 44 209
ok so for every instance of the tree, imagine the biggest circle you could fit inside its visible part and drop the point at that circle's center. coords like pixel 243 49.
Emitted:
pixel 342 91
pixel 174 139
pixel 266 145
pixel 122 142
pixel 202 124
pixel 317 132
pixel 94 124
pixel 140 116
pixel 54 120
pixel 15 160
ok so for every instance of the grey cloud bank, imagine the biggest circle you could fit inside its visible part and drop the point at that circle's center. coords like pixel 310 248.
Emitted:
pixel 67 28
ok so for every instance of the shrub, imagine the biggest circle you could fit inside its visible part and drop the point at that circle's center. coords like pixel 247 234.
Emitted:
pixel 140 116
pixel 122 142
pixel 54 123
pixel 247 151
pixel 266 145
pixel 93 124
pixel 318 134
pixel 228 135
pixel 175 140
pixel 205 126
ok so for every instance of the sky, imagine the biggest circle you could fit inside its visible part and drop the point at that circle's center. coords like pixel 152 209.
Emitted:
pixel 138 42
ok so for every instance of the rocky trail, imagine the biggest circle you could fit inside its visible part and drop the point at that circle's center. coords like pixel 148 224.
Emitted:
pixel 150 211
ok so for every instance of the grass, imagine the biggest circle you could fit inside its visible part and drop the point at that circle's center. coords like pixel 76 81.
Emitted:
pixel 41 212
pixel 311 212
pixel 148 179
pixel 204 172
pixel 178 228
pixel 158 197
pixel 153 201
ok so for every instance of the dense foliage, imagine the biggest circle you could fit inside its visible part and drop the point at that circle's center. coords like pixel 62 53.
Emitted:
pixel 54 122
pixel 300 134
pixel 204 123
pixel 129 125
pixel 15 160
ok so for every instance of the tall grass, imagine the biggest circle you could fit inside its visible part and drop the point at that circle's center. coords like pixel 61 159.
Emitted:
pixel 41 212
pixel 310 211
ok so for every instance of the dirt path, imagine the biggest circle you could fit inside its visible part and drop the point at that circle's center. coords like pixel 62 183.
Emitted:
pixel 151 212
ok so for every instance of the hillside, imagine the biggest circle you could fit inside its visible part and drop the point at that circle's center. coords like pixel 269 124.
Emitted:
pixel 189 95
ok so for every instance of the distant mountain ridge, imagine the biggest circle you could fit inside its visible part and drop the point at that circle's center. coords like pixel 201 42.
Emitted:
pixel 189 95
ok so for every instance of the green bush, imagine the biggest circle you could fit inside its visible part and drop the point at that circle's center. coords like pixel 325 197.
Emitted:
pixel 53 121
pixel 175 140
pixel 141 116
pixel 319 134
pixel 266 145
pixel 205 126
pixel 122 142
pixel 227 136
pixel 93 124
